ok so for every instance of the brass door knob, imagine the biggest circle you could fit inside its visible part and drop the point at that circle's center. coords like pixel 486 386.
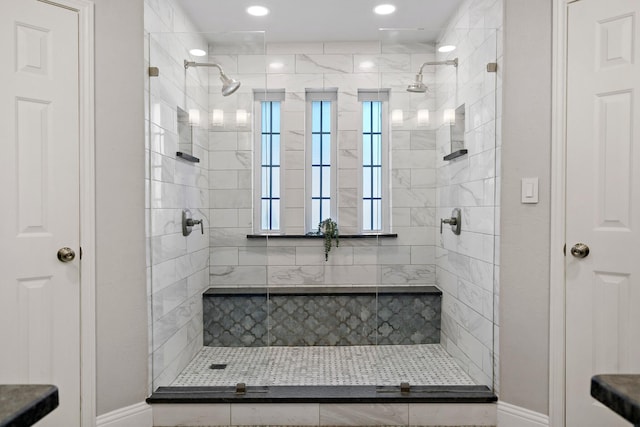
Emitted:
pixel 66 254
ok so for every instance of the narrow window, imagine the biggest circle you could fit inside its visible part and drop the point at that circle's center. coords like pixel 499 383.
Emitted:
pixel 270 165
pixel 321 155
pixel 371 165
pixel 375 201
pixel 268 157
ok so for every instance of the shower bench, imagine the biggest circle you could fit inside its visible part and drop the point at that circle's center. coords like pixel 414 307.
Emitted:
pixel 321 316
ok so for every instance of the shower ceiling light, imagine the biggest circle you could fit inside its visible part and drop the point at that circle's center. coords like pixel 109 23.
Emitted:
pixel 197 52
pixel 217 117
pixel 446 48
pixel 276 65
pixel 384 9
pixel 397 117
pixel 367 65
pixel 257 11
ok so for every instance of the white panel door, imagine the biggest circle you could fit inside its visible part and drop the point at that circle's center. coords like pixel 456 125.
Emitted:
pixel 603 201
pixel 39 187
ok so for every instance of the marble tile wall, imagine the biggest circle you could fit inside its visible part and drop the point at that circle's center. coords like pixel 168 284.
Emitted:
pixel 178 266
pixel 406 260
pixel 466 265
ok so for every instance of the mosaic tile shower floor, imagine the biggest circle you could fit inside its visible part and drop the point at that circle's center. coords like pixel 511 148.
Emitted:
pixel 422 364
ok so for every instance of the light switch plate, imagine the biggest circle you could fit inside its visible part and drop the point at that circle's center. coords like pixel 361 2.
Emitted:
pixel 530 190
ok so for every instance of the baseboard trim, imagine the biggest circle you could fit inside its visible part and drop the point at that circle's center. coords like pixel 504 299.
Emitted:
pixel 514 416
pixel 137 415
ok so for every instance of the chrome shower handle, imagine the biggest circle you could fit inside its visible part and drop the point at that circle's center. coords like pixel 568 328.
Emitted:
pixel 452 221
pixel 455 221
pixel 188 223
pixel 191 222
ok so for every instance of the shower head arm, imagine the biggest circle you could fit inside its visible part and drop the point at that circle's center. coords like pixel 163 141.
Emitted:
pixel 453 62
pixel 188 64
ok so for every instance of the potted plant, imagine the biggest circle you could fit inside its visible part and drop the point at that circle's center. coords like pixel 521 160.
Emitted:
pixel 329 229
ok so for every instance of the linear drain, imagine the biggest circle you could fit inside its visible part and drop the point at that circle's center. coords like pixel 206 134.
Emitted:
pixel 218 366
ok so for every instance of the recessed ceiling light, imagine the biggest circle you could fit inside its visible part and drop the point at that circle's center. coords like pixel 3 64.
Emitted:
pixel 197 52
pixel 367 65
pixel 446 48
pixel 384 9
pixel 276 65
pixel 257 10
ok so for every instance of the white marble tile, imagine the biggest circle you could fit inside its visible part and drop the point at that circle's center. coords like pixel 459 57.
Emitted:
pixel 238 275
pixel 232 198
pixel 308 255
pixel 198 239
pixel 221 218
pixel 460 414
pixel 198 282
pixel 423 255
pixel 419 197
pixel 252 255
pixel 226 160
pixel 162 168
pixel 471 321
pixel 294 82
pixel 224 256
pixel 167 247
pixel 282 414
pixel 165 221
pixel 170 323
pixel 408 274
pixel 168 298
pixel 478 219
pixel 185 414
pixel 327 63
pixel 294 160
pixel 223 179
pixel 351 82
pixel 424 217
pixel 368 47
pixel 170 350
pixel 294 48
pixel 227 236
pixel 295 276
pixel 409 236
pixel 294 198
pixel 223 141
pixel 351 275
pixel 364 414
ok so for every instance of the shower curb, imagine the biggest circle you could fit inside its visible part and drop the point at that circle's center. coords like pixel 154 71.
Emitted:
pixel 324 394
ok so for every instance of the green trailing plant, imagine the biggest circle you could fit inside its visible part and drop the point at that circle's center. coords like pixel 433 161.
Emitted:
pixel 329 229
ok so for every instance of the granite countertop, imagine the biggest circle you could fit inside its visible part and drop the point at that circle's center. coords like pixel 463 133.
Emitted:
pixel 621 393
pixel 24 405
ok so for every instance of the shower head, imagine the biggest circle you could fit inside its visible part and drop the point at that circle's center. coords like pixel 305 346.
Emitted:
pixel 417 85
pixel 229 85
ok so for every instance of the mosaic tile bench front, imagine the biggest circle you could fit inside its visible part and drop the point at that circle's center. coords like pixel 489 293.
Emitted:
pixel 248 317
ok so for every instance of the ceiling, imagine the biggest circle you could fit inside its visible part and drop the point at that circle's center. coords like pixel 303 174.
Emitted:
pixel 320 20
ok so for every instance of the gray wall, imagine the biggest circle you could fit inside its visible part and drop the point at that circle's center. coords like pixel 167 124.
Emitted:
pixel 526 152
pixel 121 280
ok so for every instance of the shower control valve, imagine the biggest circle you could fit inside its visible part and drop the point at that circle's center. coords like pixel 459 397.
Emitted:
pixel 188 223
pixel 455 221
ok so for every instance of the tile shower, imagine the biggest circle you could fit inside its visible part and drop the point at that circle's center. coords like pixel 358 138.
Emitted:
pixel 424 189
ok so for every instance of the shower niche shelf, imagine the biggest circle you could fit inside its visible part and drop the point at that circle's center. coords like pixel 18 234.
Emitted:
pixel 187 157
pixel 456 154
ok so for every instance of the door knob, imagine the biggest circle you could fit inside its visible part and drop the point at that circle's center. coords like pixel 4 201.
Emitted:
pixel 66 254
pixel 580 250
